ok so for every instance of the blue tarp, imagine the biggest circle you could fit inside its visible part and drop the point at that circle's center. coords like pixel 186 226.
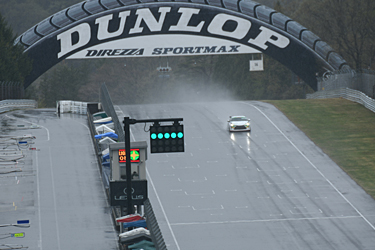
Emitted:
pixel 109 134
pixel 106 157
pixel 106 163
pixel 108 122
pixel 138 223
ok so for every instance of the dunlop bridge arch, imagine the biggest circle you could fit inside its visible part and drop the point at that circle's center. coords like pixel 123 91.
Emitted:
pixel 123 28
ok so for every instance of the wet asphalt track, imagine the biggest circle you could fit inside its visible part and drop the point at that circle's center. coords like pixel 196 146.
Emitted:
pixel 268 189
pixel 59 189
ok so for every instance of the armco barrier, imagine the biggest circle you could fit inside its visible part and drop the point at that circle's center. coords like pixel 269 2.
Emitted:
pixel 349 94
pixel 8 105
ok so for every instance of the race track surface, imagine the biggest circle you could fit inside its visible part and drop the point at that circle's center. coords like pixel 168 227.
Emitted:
pixel 59 189
pixel 269 189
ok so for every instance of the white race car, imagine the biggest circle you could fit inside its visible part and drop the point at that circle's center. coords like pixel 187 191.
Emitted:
pixel 239 123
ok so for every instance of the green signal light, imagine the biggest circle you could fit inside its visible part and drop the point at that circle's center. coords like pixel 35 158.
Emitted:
pixel 160 135
pixel 134 155
pixel 180 134
pixel 153 136
pixel 173 135
pixel 167 135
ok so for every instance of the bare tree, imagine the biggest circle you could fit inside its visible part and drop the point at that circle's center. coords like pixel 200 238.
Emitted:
pixel 346 25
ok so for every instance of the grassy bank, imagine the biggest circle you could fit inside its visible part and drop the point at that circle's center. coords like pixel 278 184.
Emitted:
pixel 344 130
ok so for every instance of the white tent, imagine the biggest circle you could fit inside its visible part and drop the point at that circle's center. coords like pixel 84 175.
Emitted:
pixel 106 140
pixel 103 129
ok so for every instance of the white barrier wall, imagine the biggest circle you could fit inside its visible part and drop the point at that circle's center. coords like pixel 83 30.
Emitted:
pixel 71 107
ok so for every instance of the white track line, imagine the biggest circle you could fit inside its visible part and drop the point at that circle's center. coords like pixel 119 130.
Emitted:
pixel 270 220
pixel 38 191
pixel 54 197
pixel 161 205
pixel 304 156
pixel 31 123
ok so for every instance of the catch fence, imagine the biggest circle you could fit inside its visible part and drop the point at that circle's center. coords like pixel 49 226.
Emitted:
pixel 107 104
pixel 363 81
pixel 11 90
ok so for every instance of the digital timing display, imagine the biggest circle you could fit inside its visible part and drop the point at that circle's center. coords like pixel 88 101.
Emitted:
pixel 134 155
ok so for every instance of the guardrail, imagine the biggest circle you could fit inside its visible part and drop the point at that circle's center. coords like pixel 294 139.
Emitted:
pixel 347 93
pixel 8 105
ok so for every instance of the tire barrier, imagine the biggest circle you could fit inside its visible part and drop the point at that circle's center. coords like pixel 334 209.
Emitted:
pixel 81 28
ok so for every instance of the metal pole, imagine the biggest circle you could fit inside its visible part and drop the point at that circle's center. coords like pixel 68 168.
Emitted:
pixel 22 91
pixel 128 166
pixel 9 88
pixel 127 123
